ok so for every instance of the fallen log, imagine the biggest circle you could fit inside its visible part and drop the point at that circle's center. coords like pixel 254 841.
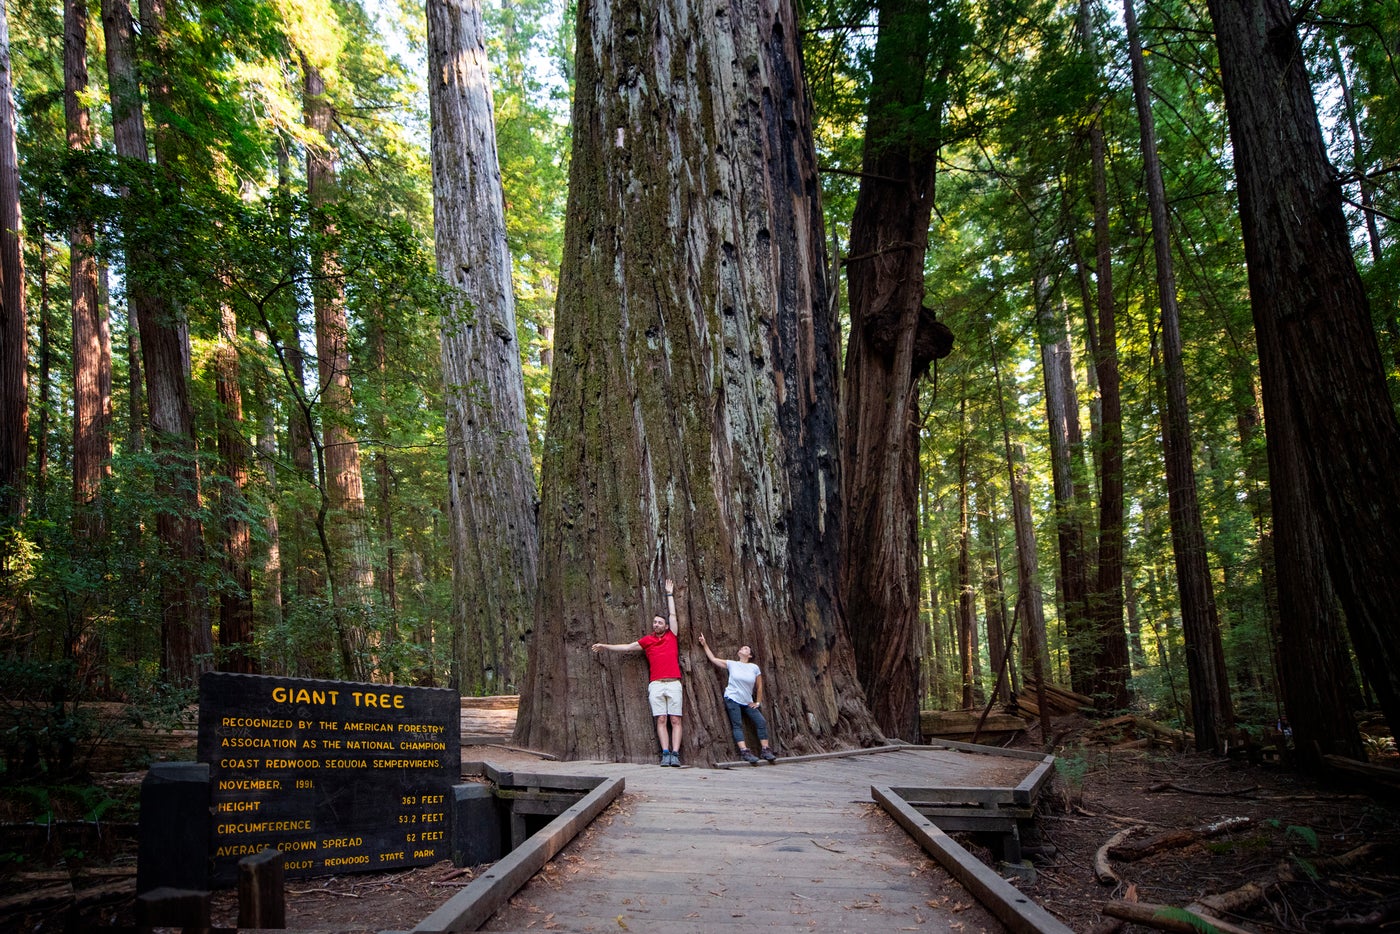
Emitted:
pixel 1380 774
pixel 1228 793
pixel 1174 839
pixel 1168 918
pixel 1239 899
pixel 1102 870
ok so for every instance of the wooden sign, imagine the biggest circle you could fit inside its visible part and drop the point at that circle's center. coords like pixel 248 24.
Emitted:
pixel 339 776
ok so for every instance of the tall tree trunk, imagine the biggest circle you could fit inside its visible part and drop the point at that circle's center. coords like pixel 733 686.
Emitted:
pixel 1111 664
pixel 43 389
pixel 14 334
pixel 135 386
pixel 92 343
pixel 1062 412
pixel 893 339
pixel 186 640
pixel 1212 713
pixel 1319 362
pixel 236 595
pixel 387 579
pixel 934 657
pixel 967 595
pixel 350 573
pixel 1029 612
pixel 491 482
pixel 692 424
pixel 271 600
pixel 1002 673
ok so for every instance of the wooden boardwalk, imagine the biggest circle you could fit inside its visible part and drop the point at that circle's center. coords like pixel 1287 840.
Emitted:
pixel 797 846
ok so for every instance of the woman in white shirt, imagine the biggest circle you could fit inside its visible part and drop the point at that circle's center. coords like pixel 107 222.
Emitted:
pixel 743 696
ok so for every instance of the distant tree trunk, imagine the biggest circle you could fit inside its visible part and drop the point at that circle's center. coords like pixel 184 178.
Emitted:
pixel 936 664
pixel 186 640
pixel 350 573
pixel 270 602
pixel 967 596
pixel 43 389
pixel 14 335
pixel 91 359
pixel 1212 714
pixel 491 482
pixel 236 594
pixel 692 423
pixel 135 383
pixel 388 577
pixel 1062 412
pixel 893 339
pixel 1109 680
pixel 1029 611
pixel 92 342
pixel 1384 289
pixel 994 601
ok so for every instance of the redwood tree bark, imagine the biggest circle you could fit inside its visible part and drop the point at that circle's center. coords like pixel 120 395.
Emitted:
pixel 14 336
pixel 692 428
pixel 893 339
pixel 342 526
pixel 1066 441
pixel 491 482
pixel 1212 713
pixel 186 639
pixel 1105 603
pixel 1319 363
pixel 236 594
pixel 92 341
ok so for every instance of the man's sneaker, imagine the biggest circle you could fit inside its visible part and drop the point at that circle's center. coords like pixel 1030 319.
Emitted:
pixel 748 757
pixel 767 755
pixel 675 760
pixel 666 757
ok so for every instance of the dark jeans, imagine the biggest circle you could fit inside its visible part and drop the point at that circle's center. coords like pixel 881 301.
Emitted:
pixel 737 712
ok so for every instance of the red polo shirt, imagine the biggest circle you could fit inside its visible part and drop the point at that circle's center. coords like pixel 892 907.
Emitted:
pixel 663 655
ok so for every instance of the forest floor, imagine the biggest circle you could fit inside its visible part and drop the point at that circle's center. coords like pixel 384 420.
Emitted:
pixel 1298 857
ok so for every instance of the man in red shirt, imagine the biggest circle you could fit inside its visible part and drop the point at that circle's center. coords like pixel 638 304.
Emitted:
pixel 663 653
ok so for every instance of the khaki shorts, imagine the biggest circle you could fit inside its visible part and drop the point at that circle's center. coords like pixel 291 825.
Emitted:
pixel 665 697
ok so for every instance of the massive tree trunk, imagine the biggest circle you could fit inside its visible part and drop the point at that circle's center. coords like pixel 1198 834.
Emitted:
pixel 1105 603
pixel 893 339
pixel 491 482
pixel 14 335
pixel 1319 363
pixel 1316 678
pixel 186 640
pixel 342 519
pixel 692 424
pixel 1212 714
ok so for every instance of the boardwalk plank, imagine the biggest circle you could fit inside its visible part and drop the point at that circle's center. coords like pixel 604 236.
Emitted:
pixel 799 846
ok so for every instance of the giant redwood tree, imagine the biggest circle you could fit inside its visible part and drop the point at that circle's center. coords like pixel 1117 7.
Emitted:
pixel 692 424
pixel 893 340
pixel 1320 365
pixel 490 480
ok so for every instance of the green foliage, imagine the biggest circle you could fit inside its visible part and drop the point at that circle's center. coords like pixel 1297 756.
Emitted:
pixel 1182 916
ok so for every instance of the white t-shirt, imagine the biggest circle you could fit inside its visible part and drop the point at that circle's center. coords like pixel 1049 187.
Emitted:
pixel 742 677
